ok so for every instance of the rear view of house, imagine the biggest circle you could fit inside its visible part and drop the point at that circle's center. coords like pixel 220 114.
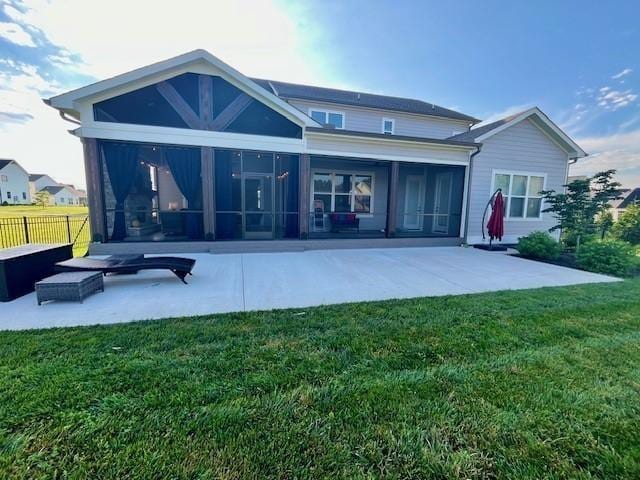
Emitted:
pixel 191 150
pixel 14 183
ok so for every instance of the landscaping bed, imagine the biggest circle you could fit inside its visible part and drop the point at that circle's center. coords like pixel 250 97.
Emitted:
pixel 519 384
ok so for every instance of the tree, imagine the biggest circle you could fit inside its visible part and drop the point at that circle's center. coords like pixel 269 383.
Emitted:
pixel 628 225
pixel 42 198
pixel 604 222
pixel 576 209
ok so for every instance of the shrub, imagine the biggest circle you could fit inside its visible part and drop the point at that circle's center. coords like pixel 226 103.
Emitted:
pixel 539 245
pixel 627 227
pixel 613 257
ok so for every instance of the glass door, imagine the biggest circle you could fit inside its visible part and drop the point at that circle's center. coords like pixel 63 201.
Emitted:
pixel 442 203
pixel 413 202
pixel 258 205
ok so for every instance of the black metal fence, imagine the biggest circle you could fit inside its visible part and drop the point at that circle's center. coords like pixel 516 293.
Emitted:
pixel 15 231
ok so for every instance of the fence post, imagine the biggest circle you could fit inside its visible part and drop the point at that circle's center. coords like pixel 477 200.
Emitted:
pixel 68 230
pixel 26 229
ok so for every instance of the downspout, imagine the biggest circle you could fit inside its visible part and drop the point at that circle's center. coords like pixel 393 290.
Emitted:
pixel 468 206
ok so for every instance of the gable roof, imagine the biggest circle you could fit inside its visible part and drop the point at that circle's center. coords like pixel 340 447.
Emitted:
pixel 537 116
pixel 67 101
pixel 53 189
pixel 360 99
pixel 36 176
pixel 4 162
pixel 633 197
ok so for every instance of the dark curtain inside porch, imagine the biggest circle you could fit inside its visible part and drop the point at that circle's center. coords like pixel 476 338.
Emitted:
pixel 225 222
pixel 121 160
pixel 291 221
pixel 185 166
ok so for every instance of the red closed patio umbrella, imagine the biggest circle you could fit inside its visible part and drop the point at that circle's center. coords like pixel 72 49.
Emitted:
pixel 495 226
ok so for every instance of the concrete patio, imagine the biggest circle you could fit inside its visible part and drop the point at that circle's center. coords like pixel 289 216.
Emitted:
pixel 262 281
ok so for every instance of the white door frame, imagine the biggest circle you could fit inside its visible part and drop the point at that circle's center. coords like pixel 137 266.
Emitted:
pixel 420 209
pixel 437 208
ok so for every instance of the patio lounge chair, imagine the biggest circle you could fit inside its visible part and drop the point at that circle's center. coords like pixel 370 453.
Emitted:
pixel 181 267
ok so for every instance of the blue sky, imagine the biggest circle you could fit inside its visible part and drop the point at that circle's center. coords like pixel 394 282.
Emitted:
pixel 578 61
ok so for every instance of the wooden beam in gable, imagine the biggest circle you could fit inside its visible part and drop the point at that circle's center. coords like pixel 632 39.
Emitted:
pixel 180 105
pixel 231 112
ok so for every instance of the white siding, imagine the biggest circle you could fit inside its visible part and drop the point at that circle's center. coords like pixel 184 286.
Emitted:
pixel 371 148
pixel 15 185
pixel 370 120
pixel 520 148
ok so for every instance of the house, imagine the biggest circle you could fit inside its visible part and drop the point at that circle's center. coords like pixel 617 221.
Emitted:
pixel 79 194
pixel 37 181
pixel 61 195
pixel 191 149
pixel 633 197
pixel 14 183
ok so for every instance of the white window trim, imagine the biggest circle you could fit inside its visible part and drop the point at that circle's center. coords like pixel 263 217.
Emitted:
pixel 353 173
pixel 526 196
pixel 327 112
pixel 393 125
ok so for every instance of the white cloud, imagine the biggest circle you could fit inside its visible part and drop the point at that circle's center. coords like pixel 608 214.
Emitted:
pixel 621 74
pixel 16 34
pixel 615 99
pixel 619 151
pixel 259 38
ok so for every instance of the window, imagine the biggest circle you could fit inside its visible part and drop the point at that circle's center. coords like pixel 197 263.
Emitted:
pixel 388 126
pixel 24 195
pixel 521 192
pixel 343 191
pixel 9 195
pixel 326 117
pixel 4 178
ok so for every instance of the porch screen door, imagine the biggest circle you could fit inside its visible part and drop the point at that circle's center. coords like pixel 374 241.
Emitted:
pixel 413 202
pixel 442 202
pixel 258 206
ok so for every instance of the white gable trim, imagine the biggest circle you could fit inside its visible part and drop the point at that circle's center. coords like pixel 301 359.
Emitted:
pixel 197 61
pixel 535 111
pixel 13 162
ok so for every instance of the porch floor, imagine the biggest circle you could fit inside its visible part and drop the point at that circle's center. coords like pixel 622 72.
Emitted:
pixel 261 281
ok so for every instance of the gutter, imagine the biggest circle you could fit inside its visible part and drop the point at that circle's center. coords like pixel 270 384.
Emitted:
pixel 468 207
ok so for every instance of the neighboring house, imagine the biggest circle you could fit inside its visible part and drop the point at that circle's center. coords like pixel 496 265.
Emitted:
pixel 633 197
pixel 61 195
pixel 191 149
pixel 81 195
pixel 14 183
pixel 37 181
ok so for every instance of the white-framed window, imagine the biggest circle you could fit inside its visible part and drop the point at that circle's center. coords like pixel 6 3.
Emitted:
pixel 328 117
pixel 521 191
pixel 4 178
pixel 342 191
pixel 388 126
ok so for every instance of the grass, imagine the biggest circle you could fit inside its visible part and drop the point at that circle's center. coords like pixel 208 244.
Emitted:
pixel 32 211
pixel 530 384
pixel 46 225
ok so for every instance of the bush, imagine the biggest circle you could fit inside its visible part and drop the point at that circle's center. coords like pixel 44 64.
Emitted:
pixel 613 257
pixel 539 245
pixel 627 227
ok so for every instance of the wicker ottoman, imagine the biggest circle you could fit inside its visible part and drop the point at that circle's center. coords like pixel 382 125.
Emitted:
pixel 75 286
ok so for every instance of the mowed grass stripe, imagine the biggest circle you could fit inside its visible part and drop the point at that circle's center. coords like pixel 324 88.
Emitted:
pixel 531 384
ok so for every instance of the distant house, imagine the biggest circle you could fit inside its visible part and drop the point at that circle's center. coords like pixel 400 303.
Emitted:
pixel 632 198
pixel 14 183
pixel 61 195
pixel 79 193
pixel 37 181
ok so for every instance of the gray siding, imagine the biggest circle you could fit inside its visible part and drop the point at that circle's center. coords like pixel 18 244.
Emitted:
pixel 520 148
pixel 370 120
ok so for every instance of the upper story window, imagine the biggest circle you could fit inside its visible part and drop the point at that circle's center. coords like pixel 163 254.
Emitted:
pixel 522 194
pixel 4 178
pixel 326 117
pixel 388 126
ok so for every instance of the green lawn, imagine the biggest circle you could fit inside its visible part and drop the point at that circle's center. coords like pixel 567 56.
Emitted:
pixel 528 385
pixel 32 210
pixel 45 225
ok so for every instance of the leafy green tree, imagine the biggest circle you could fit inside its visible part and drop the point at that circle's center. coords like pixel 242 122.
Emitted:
pixel 576 209
pixel 628 225
pixel 42 199
pixel 604 222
